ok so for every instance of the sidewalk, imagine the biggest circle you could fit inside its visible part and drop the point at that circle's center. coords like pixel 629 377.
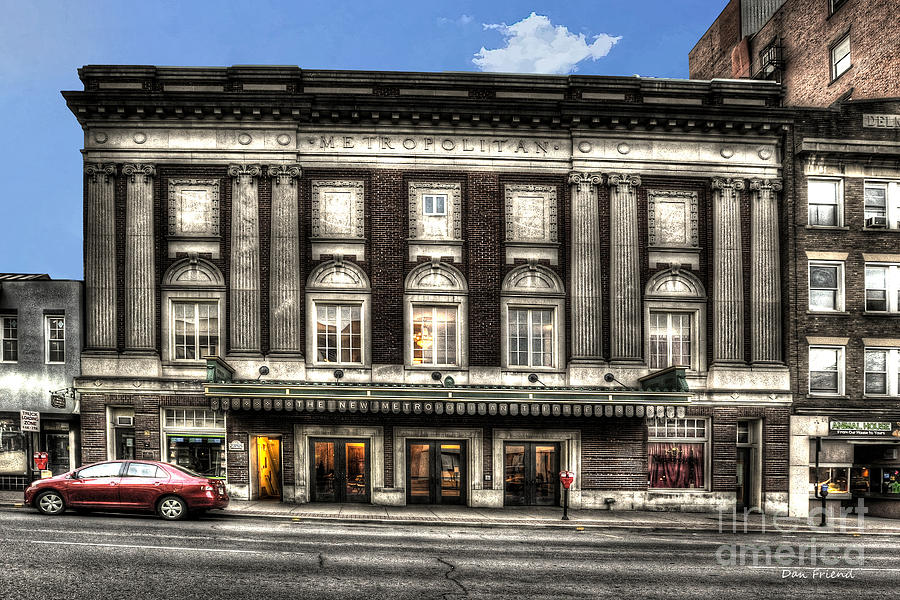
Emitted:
pixel 462 516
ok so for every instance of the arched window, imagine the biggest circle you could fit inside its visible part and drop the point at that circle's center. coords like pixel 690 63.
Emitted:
pixel 675 317
pixel 193 304
pixel 436 316
pixel 532 319
pixel 338 296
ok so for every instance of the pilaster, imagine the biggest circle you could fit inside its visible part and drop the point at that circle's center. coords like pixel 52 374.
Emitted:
pixel 624 272
pixel 244 294
pixel 728 290
pixel 140 309
pixel 285 299
pixel 100 258
pixel 765 279
pixel 585 269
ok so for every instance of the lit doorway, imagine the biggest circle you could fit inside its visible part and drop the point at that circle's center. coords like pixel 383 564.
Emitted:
pixel 339 470
pixel 436 472
pixel 268 466
pixel 531 474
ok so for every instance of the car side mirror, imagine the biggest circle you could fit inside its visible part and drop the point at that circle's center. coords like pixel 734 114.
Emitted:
pixel 73 475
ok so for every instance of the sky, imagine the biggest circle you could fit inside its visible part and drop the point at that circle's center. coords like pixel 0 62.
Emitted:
pixel 42 44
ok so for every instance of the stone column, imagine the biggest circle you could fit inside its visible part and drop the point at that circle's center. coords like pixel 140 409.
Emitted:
pixel 585 269
pixel 728 289
pixel 100 258
pixel 285 299
pixel 140 263
pixel 624 270
pixel 765 276
pixel 244 293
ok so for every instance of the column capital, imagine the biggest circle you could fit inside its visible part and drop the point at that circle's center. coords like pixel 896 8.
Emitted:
pixel 623 179
pixel 773 185
pixel 286 174
pixel 723 183
pixel 585 178
pixel 96 170
pixel 133 170
pixel 240 171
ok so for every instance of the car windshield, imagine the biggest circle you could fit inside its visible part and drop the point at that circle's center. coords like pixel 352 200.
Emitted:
pixel 187 471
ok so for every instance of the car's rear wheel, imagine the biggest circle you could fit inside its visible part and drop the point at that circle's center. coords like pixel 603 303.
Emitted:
pixel 50 503
pixel 172 508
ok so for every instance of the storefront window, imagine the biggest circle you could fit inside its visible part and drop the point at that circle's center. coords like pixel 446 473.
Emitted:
pixel 195 439
pixel 677 453
pixel 837 478
pixel 12 448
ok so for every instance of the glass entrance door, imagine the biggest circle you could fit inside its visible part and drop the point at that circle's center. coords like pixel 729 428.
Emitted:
pixel 436 472
pixel 531 474
pixel 743 478
pixel 124 443
pixel 340 470
pixel 57 445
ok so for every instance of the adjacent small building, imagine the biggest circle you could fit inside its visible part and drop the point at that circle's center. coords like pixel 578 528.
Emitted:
pixel 40 353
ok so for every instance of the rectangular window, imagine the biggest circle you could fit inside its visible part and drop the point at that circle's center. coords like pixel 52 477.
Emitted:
pixel 10 339
pixel 55 336
pixel 882 288
pixel 826 286
pixel 530 337
pixel 826 370
pixel 882 376
pixel 194 418
pixel 339 333
pixel 840 57
pixel 836 4
pixel 837 478
pixel 677 450
pixel 195 334
pixel 670 340
pixel 825 202
pixel 434 204
pixel 195 439
pixel 434 335
pixel 882 204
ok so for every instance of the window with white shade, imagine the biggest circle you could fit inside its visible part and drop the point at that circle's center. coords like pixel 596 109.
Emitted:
pixel 55 339
pixel 434 337
pixel 825 200
pixel 882 204
pixel 826 286
pixel 840 57
pixel 9 344
pixel 826 370
pixel 882 287
pixel 195 330
pixel 434 204
pixel 882 372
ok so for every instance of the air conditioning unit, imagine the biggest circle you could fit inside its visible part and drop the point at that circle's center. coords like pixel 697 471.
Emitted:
pixel 124 421
pixel 876 222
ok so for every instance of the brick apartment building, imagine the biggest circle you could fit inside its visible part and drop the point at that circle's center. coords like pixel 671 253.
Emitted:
pixel 438 288
pixel 821 50
pixel 842 205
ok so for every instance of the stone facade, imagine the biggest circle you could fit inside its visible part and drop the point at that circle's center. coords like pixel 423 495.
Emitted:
pixel 326 228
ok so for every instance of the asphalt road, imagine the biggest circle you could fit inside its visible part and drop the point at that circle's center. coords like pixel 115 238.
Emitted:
pixel 127 556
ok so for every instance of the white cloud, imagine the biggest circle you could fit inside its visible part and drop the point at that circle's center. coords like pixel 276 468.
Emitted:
pixel 462 20
pixel 535 45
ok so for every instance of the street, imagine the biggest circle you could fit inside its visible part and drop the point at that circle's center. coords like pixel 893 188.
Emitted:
pixel 127 556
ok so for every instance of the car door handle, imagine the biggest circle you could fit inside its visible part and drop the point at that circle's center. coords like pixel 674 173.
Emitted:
pixel 112 483
pixel 157 483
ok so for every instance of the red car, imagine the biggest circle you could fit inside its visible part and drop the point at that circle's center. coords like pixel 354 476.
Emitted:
pixel 129 485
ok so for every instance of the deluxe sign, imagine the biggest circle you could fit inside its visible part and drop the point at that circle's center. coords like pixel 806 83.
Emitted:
pixel 882 121
pixel 865 428
pixel 29 420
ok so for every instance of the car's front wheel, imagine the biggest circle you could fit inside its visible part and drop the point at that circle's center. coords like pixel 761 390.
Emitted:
pixel 50 503
pixel 172 508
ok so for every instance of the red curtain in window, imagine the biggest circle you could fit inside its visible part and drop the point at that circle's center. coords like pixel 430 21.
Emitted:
pixel 675 465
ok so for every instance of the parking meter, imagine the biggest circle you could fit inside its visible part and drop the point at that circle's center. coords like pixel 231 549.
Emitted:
pixel 823 490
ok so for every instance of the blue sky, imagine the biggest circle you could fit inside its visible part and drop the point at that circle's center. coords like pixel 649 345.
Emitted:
pixel 42 44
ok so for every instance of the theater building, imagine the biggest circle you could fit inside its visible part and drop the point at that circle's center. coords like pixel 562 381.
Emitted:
pixel 393 288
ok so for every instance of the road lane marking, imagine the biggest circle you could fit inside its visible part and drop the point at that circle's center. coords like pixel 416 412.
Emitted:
pixel 233 551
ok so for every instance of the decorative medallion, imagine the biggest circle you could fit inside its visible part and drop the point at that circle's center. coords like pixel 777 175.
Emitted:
pixel 623 148
pixel 244 139
pixel 727 152
pixel 283 139
pixel 765 153
pixel 139 138
pixel 100 137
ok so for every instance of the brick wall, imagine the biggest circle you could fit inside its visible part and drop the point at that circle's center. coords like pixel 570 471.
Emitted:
pixel 711 55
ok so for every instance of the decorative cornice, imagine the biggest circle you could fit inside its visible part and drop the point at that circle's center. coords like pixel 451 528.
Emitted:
pixel 244 170
pixel 286 174
pixel 721 183
pixel 585 178
pixel 95 170
pixel 623 179
pixel 773 185
pixel 133 170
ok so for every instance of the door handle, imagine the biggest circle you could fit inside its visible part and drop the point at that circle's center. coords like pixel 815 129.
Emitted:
pixel 157 483
pixel 112 483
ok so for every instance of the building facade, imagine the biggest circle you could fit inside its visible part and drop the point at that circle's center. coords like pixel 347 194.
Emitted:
pixel 40 346
pixel 441 288
pixel 822 50
pixel 845 354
